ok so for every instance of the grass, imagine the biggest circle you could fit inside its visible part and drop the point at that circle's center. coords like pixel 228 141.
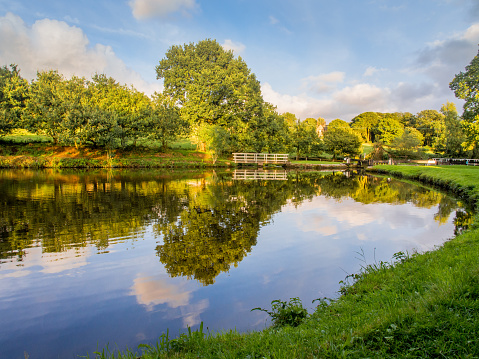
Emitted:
pixel 182 154
pixel 416 306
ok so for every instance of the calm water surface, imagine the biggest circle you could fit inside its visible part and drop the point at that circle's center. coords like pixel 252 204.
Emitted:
pixel 95 258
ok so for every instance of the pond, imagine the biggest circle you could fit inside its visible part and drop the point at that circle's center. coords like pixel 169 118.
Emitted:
pixel 96 258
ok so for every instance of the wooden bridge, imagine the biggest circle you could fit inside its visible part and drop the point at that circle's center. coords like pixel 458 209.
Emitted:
pixel 261 158
pixel 260 175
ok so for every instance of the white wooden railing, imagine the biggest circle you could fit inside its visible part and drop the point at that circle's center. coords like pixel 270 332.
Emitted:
pixel 260 158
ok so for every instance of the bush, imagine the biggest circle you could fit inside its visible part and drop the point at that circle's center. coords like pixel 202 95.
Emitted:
pixel 283 313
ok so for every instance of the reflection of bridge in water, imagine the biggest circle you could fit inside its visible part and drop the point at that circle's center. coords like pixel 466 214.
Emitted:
pixel 260 175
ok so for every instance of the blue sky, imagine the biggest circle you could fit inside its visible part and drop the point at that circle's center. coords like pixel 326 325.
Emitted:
pixel 315 58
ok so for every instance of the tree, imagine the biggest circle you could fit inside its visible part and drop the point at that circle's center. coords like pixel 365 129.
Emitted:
pixel 365 124
pixel 267 133
pixel 340 140
pixel 46 110
pixel 430 123
pixel 388 128
pixel 130 107
pixel 466 87
pixel 303 137
pixel 165 124
pixel 408 142
pixel 13 94
pixel 454 135
pixel 211 86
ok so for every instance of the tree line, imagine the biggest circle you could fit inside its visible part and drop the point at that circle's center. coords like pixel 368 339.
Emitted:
pixel 214 98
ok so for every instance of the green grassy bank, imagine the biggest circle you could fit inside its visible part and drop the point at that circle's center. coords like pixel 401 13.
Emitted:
pixel 421 306
pixel 45 155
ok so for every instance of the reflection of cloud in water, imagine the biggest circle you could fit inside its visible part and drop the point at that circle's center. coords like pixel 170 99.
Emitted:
pixel 50 263
pixel 154 290
pixel 151 291
pixel 370 222
pixel 191 313
pixel 322 212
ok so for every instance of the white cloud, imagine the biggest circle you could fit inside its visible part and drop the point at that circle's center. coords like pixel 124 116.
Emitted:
pixel 144 9
pixel 301 105
pixel 324 82
pixel 344 103
pixel 236 47
pixel 55 45
pixel 443 59
pixel 371 70
pixel 424 84
pixel 362 95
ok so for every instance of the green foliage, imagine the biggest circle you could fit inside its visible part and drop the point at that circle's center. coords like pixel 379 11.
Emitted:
pixel 342 141
pixel 165 124
pixel 216 140
pixel 285 313
pixel 388 128
pixel 453 140
pixel 466 87
pixel 13 93
pixel 211 86
pixel 408 143
pixel 303 136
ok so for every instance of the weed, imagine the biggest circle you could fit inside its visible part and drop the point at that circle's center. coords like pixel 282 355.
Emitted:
pixel 284 313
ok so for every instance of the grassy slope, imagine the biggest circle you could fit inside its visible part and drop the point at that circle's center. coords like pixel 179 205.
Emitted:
pixel 425 305
pixel 39 155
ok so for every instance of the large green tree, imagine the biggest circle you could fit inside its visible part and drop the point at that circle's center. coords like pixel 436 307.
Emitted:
pixel 365 125
pixel 211 86
pixel 466 87
pixel 431 124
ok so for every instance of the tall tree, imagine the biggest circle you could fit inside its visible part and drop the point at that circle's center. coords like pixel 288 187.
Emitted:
pixel 454 134
pixel 388 128
pixel 430 123
pixel 211 86
pixel 365 125
pixel 466 87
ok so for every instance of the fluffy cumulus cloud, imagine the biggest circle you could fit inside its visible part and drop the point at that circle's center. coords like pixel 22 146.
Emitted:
pixel 324 82
pixel 236 47
pixel 344 103
pixel 423 84
pixel 144 9
pixel 55 45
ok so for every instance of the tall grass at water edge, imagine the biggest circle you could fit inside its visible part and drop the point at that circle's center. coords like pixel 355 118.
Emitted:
pixel 416 306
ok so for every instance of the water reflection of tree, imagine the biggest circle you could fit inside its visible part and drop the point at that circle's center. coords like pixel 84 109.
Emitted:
pixel 207 223
pixel 62 211
pixel 219 226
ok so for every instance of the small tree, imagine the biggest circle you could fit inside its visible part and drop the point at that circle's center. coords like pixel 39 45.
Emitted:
pixel 342 141
pixel 165 123
pixel 13 93
pixel 408 142
pixel 216 140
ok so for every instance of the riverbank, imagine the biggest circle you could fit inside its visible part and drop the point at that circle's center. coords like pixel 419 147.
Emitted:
pixel 39 155
pixel 49 156
pixel 422 305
